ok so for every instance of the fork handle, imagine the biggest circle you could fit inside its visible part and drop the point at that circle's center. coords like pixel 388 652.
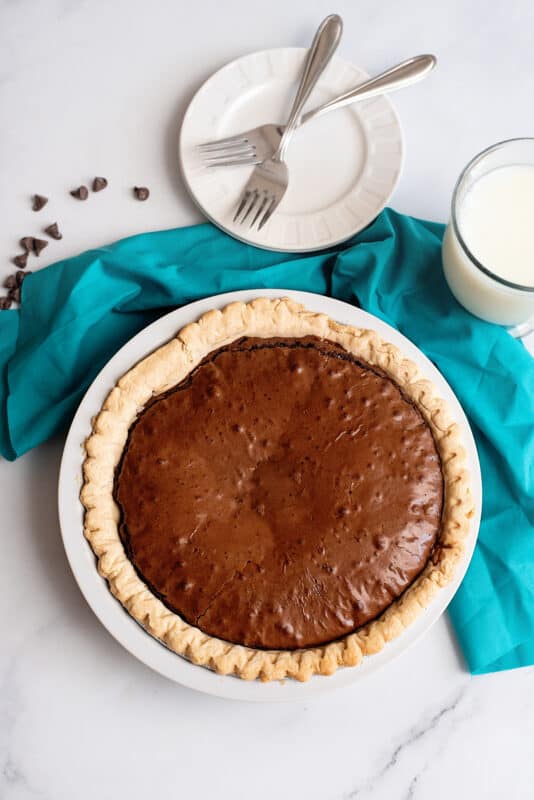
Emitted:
pixel 403 74
pixel 321 51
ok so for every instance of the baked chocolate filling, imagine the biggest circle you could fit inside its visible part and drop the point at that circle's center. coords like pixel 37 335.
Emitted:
pixel 282 495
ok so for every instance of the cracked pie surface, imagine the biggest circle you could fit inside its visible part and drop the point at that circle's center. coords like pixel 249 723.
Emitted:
pixel 273 494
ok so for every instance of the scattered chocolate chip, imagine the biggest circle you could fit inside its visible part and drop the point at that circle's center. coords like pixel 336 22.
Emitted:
pixel 141 192
pixel 99 184
pixel 14 294
pixel 39 245
pixel 19 277
pixel 5 303
pixel 27 243
pixel 81 193
pixel 21 261
pixel 11 282
pixel 39 202
pixel 53 231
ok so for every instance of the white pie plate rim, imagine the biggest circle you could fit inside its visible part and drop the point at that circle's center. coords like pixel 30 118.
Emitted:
pixel 94 588
pixel 216 191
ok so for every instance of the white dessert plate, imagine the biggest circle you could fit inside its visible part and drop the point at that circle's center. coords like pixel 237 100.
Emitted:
pixel 82 561
pixel 343 166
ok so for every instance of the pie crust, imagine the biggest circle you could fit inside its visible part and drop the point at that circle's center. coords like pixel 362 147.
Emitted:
pixel 169 365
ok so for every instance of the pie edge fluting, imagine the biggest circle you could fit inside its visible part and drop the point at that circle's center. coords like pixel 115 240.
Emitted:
pixel 167 366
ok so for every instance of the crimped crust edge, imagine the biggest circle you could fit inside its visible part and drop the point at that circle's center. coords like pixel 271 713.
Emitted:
pixel 166 367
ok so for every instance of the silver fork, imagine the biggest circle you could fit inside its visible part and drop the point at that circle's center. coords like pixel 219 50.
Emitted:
pixel 258 144
pixel 268 182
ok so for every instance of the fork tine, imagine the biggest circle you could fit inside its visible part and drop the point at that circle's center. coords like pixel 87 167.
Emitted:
pixel 245 197
pixel 255 199
pixel 225 155
pixel 270 209
pixel 226 148
pixel 229 141
pixel 227 152
pixel 233 162
pixel 260 209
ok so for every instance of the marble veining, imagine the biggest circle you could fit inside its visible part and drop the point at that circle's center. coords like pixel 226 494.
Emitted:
pixel 408 741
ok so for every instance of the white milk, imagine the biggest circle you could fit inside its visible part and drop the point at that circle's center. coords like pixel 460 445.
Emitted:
pixel 495 218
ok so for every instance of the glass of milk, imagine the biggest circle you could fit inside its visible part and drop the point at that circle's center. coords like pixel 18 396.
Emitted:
pixel 488 248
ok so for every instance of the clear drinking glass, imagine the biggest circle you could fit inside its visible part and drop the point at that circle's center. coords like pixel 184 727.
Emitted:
pixel 474 285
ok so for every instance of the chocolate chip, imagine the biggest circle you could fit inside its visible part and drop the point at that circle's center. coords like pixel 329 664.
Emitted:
pixel 21 261
pixel 14 294
pixel 39 202
pixel 5 303
pixel 53 231
pixel 99 184
pixel 11 282
pixel 27 243
pixel 81 193
pixel 141 192
pixel 19 277
pixel 39 245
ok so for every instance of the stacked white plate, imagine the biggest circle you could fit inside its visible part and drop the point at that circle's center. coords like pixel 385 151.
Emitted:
pixel 343 166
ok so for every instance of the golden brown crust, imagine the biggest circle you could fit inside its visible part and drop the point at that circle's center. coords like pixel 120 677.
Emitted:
pixel 167 366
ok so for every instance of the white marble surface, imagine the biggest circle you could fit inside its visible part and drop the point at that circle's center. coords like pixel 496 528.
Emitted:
pixel 98 88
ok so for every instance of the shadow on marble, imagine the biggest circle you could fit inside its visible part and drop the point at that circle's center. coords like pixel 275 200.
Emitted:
pixel 455 645
pixel 172 136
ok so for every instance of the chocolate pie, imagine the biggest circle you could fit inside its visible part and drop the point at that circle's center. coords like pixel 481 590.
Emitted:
pixel 273 494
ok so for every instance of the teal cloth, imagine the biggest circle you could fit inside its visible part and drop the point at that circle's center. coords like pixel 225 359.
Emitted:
pixel 75 314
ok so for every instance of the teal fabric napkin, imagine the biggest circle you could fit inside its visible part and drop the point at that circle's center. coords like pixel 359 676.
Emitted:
pixel 75 314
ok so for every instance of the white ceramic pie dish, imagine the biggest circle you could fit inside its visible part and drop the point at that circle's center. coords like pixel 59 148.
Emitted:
pixel 112 615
